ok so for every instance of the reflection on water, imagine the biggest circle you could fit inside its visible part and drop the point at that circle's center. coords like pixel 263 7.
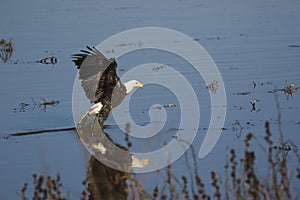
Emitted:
pixel 100 145
pixel 104 182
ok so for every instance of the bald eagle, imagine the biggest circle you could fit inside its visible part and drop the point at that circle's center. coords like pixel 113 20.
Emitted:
pixel 100 82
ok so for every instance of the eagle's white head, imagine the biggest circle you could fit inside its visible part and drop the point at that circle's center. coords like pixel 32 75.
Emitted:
pixel 130 85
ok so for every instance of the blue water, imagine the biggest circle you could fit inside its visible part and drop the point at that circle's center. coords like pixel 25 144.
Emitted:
pixel 249 41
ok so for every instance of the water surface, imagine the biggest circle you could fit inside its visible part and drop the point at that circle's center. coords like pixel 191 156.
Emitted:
pixel 250 41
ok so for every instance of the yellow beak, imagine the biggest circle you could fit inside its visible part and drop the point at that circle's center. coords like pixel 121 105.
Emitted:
pixel 140 85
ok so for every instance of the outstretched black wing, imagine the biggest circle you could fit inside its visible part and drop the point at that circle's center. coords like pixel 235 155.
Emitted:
pixel 99 79
pixel 98 75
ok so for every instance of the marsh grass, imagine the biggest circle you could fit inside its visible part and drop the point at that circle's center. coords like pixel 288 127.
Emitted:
pixel 241 180
pixel 6 49
pixel 44 188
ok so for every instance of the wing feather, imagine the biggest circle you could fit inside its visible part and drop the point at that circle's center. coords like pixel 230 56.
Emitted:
pixel 90 86
pixel 99 77
pixel 92 66
pixel 90 62
pixel 99 80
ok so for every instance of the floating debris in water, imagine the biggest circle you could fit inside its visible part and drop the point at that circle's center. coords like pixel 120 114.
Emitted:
pixel 216 38
pixel 213 86
pixel 48 61
pixel 137 43
pixel 266 83
pixel 243 93
pixel 253 105
pixel 289 90
pixel 254 85
pixel 170 105
pixel 24 105
pixel 175 137
pixel 294 45
pixel 6 137
pixel 238 108
pixel 45 103
pixel 110 51
pixel 156 69
pixel 52 60
pixel 286 147
pixel 6 49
